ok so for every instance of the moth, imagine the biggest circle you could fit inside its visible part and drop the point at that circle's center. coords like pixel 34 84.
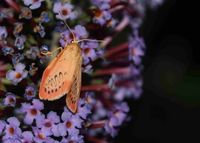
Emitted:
pixel 63 75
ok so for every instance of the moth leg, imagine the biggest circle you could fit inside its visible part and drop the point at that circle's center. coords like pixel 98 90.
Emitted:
pixel 48 53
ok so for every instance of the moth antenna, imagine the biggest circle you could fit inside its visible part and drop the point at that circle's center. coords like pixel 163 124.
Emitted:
pixel 74 38
pixel 92 40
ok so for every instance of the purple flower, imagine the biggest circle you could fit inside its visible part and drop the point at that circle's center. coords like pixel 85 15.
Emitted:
pixel 101 16
pixel 110 126
pixel 39 29
pixel 25 13
pixel 27 137
pixel 100 111
pixel 3 33
pixel 33 4
pixel 18 28
pixel 73 139
pixel 71 122
pixel 155 3
pixel 12 129
pixel 5 13
pixel 88 51
pixel 7 50
pixel 2 126
pixel 33 69
pixel 44 17
pixel 47 124
pixel 32 53
pixel 101 13
pixel 32 111
pixel 59 130
pixel 10 99
pixel 79 32
pixel 136 49
pixel 116 118
pixel 12 140
pixel 121 111
pixel 84 109
pixel 64 11
pixel 19 42
pixel 16 58
pixel 87 69
pixel 101 2
pixel 30 92
pixel 39 136
pixel 18 74
pixel 44 48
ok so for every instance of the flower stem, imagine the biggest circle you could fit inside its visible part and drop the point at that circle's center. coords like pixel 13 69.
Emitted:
pixel 97 124
pixel 13 4
pixel 116 49
pixel 96 140
pixel 125 21
pixel 97 87
pixel 113 70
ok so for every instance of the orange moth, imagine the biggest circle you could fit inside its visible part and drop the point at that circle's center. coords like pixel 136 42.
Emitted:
pixel 63 75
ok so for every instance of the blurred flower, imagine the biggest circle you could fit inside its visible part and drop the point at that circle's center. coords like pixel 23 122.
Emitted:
pixel 32 53
pixel 136 49
pixel 43 49
pixel 155 3
pixel 18 28
pixel 121 111
pixel 2 126
pixel 30 92
pixel 17 58
pixel 25 13
pixel 6 13
pixel 73 139
pixel 63 11
pixel 18 74
pixel 12 140
pixel 7 50
pixel 100 111
pixel 87 69
pixel 27 137
pixel 19 42
pixel 111 125
pixel 33 69
pixel 84 109
pixel 33 4
pixel 117 117
pixel 102 14
pixel 44 17
pixel 3 33
pixel 39 29
pixel 10 99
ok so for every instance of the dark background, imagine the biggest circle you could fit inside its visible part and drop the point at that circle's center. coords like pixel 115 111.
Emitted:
pixel 169 109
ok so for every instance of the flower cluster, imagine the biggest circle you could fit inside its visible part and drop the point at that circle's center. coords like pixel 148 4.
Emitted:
pixel 111 68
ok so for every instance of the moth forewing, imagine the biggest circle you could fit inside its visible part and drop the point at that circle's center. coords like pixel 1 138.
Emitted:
pixel 58 77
